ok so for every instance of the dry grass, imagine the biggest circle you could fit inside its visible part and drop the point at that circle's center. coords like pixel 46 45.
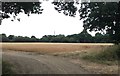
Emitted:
pixel 54 47
pixel 97 68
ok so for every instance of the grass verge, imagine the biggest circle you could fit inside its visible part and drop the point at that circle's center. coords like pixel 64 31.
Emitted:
pixel 106 56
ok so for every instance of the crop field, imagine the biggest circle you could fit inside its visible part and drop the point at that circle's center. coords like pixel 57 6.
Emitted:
pixel 54 47
pixel 70 50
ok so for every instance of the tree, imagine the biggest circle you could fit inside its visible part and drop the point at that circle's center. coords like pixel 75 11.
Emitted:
pixel 73 38
pixel 67 7
pixel 84 36
pixel 33 39
pixel 17 7
pixel 97 16
pixel 11 37
pixel 99 38
pixel 4 38
pixel 21 39
pixel 45 38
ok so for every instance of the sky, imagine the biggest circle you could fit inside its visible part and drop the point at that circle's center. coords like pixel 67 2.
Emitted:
pixel 50 22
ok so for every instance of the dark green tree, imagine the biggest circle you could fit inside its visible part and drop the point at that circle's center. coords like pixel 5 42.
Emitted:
pixel 4 38
pixel 18 7
pixel 57 38
pixel 21 39
pixel 97 16
pixel 99 38
pixel 11 37
pixel 33 39
pixel 45 38
pixel 67 7
pixel 73 38
pixel 84 36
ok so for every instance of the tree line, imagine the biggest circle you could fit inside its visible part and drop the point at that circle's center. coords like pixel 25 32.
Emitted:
pixel 83 37
pixel 96 16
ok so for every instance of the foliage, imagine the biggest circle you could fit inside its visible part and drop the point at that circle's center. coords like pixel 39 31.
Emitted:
pixel 53 38
pixel 102 16
pixel 83 37
pixel 17 7
pixel 102 38
pixel 67 7
pixel 4 38
pixel 97 16
pixel 110 54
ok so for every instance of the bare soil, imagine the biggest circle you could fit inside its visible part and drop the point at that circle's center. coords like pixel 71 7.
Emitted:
pixel 30 63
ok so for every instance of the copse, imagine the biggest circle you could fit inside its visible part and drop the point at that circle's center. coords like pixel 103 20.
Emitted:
pixel 83 37
pixel 4 38
pixel 11 37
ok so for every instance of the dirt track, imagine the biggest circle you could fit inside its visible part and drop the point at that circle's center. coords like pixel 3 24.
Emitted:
pixel 30 63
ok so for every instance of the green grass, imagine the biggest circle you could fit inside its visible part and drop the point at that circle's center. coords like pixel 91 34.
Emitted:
pixel 106 56
pixel 6 68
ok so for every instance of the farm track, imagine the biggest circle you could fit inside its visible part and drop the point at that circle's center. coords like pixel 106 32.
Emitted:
pixel 30 63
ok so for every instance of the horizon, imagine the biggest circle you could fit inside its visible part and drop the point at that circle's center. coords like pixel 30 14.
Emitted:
pixel 43 35
pixel 50 22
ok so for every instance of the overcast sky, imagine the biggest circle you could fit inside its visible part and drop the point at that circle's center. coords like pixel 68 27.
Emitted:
pixel 47 23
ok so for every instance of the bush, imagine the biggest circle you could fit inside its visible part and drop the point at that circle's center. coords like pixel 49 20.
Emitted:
pixel 112 53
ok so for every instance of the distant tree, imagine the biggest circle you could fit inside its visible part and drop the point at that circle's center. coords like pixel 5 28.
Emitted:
pixel 11 37
pixel 84 36
pixel 98 37
pixel 102 38
pixel 73 38
pixel 45 39
pixel 58 38
pixel 17 39
pixel 53 38
pixel 21 39
pixel 96 16
pixel 107 38
pixel 33 39
pixel 0 37
pixel 4 38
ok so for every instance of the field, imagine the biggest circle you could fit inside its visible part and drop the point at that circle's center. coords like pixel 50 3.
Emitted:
pixel 54 47
pixel 70 50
